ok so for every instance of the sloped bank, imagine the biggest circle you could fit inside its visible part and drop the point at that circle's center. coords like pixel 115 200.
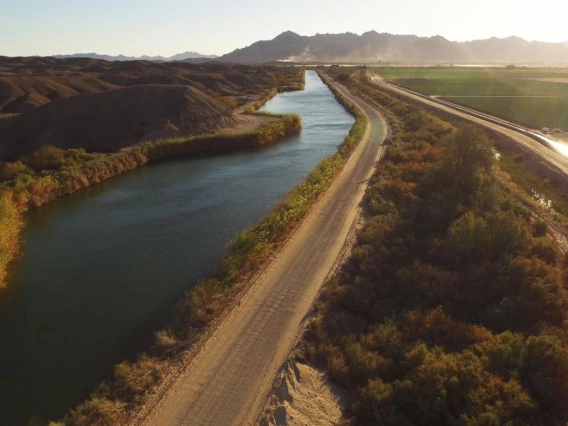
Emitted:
pixel 51 173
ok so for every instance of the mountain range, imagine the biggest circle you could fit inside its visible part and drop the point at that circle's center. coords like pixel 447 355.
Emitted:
pixel 179 57
pixel 374 47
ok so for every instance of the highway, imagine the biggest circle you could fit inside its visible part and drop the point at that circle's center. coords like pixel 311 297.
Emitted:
pixel 554 153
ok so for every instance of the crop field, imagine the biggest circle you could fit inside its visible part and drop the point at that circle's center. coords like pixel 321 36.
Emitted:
pixel 533 97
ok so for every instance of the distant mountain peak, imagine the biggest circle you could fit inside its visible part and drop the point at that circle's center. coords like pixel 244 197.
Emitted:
pixel 287 35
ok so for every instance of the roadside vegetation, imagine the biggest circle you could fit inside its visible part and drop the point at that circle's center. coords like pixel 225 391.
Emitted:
pixel 117 399
pixel 452 308
pixel 534 97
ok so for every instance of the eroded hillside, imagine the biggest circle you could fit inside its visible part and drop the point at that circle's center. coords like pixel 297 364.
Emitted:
pixel 108 121
pixel 104 106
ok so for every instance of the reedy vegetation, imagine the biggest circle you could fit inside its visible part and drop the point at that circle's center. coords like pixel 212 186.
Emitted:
pixel 114 401
pixel 453 307
pixel 51 172
pixel 10 226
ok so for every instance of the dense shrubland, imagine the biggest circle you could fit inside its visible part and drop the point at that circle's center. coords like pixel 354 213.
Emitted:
pixel 452 309
pixel 116 399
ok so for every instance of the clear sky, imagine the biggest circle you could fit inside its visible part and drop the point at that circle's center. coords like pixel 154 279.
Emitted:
pixel 167 27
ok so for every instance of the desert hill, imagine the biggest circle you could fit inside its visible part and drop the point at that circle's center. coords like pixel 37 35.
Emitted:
pixel 108 121
pixel 21 94
pixel 104 106
pixel 26 83
pixel 374 47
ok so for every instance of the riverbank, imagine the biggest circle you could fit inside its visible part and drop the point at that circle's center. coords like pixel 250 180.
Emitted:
pixel 51 173
pixel 248 254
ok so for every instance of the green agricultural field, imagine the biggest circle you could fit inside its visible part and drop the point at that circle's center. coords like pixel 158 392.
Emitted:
pixel 535 97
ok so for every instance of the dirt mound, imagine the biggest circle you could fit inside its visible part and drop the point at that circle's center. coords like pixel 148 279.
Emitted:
pixel 302 396
pixel 108 121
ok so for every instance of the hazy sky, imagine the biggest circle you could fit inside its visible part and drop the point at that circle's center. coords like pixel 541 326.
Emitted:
pixel 167 27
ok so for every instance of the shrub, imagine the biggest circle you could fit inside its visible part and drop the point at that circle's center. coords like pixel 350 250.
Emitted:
pixel 132 380
pixel 540 228
pixel 9 171
pixel 98 411
pixel 47 157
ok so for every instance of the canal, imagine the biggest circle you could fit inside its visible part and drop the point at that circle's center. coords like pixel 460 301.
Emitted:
pixel 101 269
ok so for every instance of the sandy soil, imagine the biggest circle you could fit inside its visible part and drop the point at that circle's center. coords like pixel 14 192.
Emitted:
pixel 303 396
pixel 230 378
pixel 248 123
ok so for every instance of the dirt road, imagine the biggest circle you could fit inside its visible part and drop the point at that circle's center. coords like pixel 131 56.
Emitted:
pixel 229 380
pixel 556 160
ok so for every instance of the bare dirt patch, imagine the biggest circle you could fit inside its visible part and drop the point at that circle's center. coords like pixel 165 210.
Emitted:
pixel 303 396
pixel 248 123
pixel 108 121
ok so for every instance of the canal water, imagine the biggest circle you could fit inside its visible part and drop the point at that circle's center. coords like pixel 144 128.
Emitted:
pixel 102 269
